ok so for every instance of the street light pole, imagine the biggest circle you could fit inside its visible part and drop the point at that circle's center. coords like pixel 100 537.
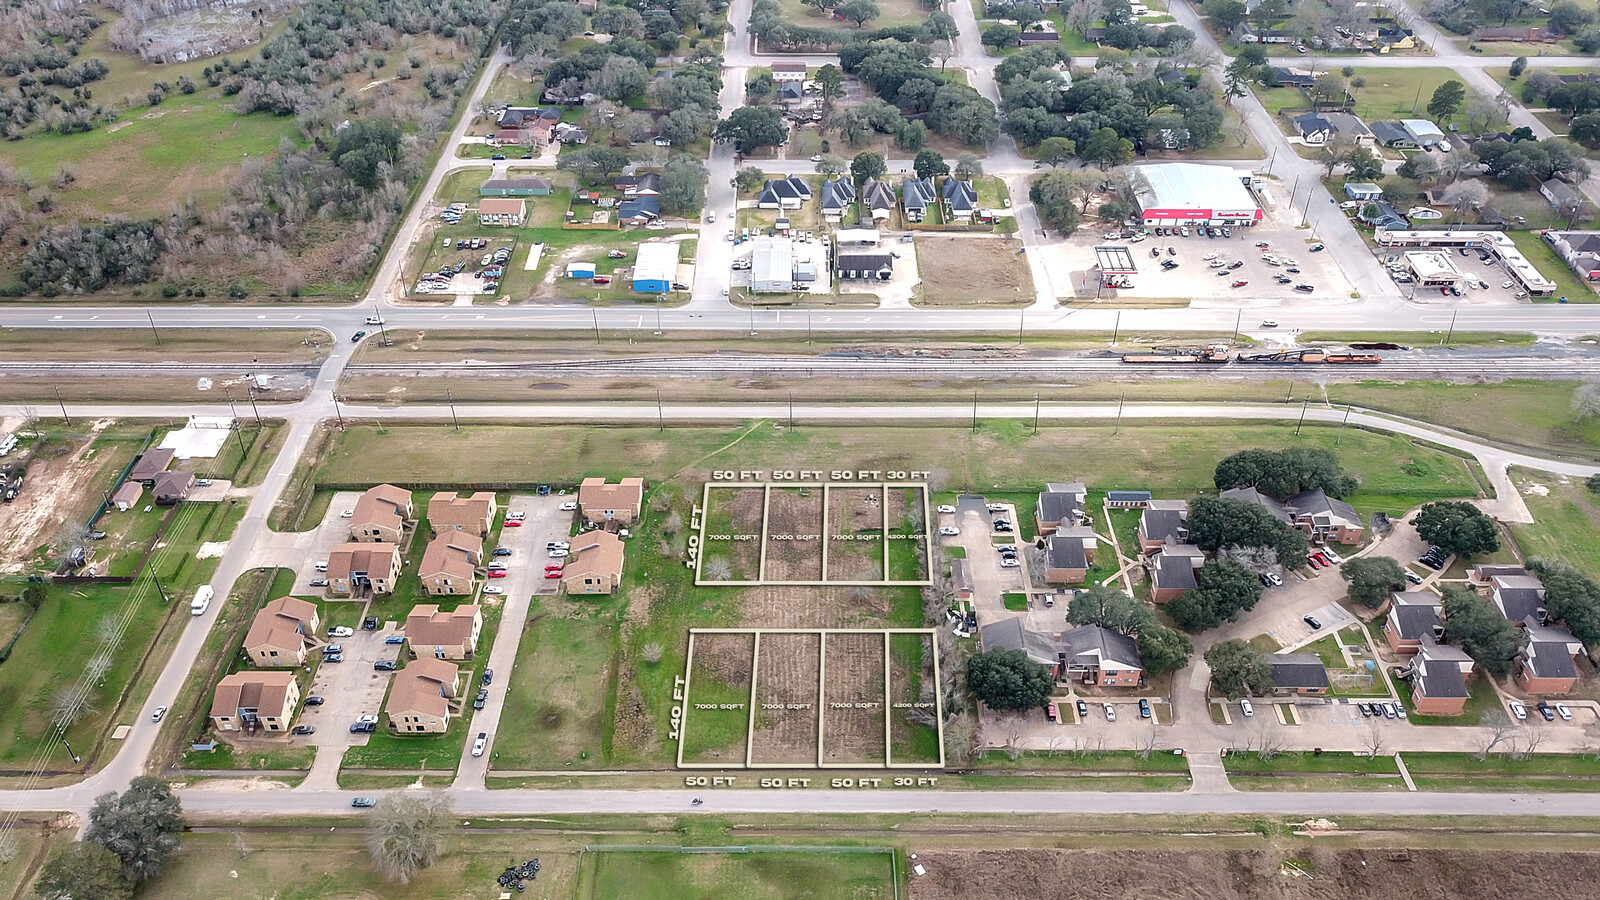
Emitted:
pixel 1452 332
pixel 383 333
pixel 250 391
pixel 452 401
pixel 1304 402
pixel 63 406
pixel 153 327
pixel 336 411
pixel 1035 412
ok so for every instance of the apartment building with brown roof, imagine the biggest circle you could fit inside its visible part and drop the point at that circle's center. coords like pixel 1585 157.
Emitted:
pixel 381 514
pixel 444 635
pixel 450 512
pixel 356 568
pixel 420 699
pixel 249 701
pixel 595 566
pixel 281 632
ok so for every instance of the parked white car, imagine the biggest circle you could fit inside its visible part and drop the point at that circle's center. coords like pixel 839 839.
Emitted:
pixel 946 508
pixel 949 530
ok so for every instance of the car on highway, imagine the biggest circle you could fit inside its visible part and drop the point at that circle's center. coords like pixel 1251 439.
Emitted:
pixel 356 338
pixel 303 729
pixel 480 743
pixel 363 802
pixel 1269 323
pixel 1518 711
pixel 949 530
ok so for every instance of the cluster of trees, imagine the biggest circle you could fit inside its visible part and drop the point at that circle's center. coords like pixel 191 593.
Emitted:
pixel 1008 681
pixel 78 258
pixel 38 43
pixel 129 840
pixel 1226 588
pixel 1238 669
pixel 1571 598
pixel 1477 627
pixel 1526 164
pixel 900 73
pixel 1311 22
pixel 1062 196
pixel 1219 523
pixel 1107 115
pixel 538 27
pixel 1372 579
pixel 1580 101
pixel 1161 648
pixel 1564 17
pixel 1283 473
pixel 774 34
pixel 1458 527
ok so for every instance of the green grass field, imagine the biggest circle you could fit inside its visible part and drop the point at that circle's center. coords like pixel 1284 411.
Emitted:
pixel 1566 520
pixel 1533 414
pixel 558 688
pixel 894 13
pixel 739 876
pixel 1550 265
pixel 1401 93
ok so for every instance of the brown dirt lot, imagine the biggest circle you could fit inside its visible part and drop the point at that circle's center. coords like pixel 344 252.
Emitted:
pixel 855 513
pixel 787 674
pixel 906 508
pixel 1314 873
pixel 797 514
pixel 854 676
pixel 813 607
pixel 53 491
pixel 971 271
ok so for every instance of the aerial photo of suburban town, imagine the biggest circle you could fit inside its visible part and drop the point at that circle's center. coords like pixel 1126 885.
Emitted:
pixel 799 449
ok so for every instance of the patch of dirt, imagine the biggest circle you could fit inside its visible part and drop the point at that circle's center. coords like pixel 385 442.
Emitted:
pixel 794 535
pixel 813 607
pixel 49 496
pixel 788 676
pixel 724 658
pixel 115 127
pixel 973 271
pixel 1310 873
pixel 855 677
pixel 558 269
pixel 1537 490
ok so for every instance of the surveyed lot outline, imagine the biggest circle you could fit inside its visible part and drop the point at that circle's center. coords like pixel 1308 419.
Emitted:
pixel 751 706
pixel 765 539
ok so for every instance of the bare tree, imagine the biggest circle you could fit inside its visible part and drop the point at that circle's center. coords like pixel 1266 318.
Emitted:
pixel 1013 731
pixel 960 739
pixel 1270 741
pixel 1373 740
pixel 1145 744
pixel 719 569
pixel 673 523
pixel 1465 196
pixel 652 652
pixel 1494 729
pixel 1586 400
pixel 70 704
pixel 943 49
pixel 1525 744
pixel 408 833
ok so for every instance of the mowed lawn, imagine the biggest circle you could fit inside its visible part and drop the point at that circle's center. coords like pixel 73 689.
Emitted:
pixel 893 13
pixel 744 876
pixel 1534 414
pixel 1402 93
pixel 973 272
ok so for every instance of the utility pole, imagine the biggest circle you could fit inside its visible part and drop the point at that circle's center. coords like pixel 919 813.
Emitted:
pixel 974 412
pixel 1239 317
pixel 662 299
pixel 596 314
pixel 752 320
pixel 339 415
pixel 1022 316
pixel 1452 332
pixel 1120 398
pixel 160 589
pixel 808 328
pixel 153 327
pixel 383 333
pixel 250 391
pixel 1303 404
pixel 661 415
pixel 1116 329
pixel 75 759
pixel 63 408
pixel 235 426
pixel 791 411
pixel 1289 396
pixel 1035 412
pixel 1340 435
pixel 452 402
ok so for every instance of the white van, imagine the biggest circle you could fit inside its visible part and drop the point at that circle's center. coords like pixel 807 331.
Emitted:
pixel 202 600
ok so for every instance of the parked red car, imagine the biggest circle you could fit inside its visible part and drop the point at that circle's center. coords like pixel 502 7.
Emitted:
pixel 602 279
pixel 498 573
pixel 552 573
pixel 1239 284
pixel 513 523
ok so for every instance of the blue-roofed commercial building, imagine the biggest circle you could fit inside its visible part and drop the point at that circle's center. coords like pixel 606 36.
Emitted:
pixel 656 267
pixel 1177 194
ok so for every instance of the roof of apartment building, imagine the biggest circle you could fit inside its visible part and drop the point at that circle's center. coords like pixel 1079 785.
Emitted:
pixel 452 553
pixel 595 493
pixel 380 506
pixel 378 556
pixel 419 687
pixel 1298 670
pixel 426 626
pixel 251 690
pixel 283 624
pixel 447 510
pixel 1415 613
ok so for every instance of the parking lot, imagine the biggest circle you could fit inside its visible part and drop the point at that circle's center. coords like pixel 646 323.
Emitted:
pixel 990 580
pixel 349 689
pixel 330 533
pixel 1479 268
pixel 808 250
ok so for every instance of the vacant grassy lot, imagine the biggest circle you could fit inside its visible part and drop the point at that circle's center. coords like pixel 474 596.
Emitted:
pixel 740 876
pixel 557 696
pixel 1543 772
pixel 1533 414
pixel 973 272
pixel 1566 520
pixel 1402 93
pixel 1307 771
pixel 894 13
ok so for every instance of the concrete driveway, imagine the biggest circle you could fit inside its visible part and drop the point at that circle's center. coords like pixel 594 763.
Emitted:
pixel 989 580
pixel 350 689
